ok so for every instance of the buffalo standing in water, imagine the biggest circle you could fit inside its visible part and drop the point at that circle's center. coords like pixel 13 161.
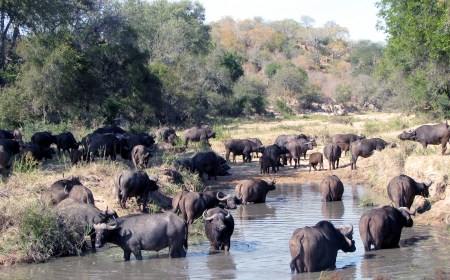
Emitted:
pixel 137 232
pixel 315 248
pixel 402 190
pixel 219 226
pixel 429 134
pixel 254 190
pixel 331 188
pixel 382 227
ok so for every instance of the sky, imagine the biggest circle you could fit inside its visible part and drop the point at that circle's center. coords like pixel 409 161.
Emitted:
pixel 358 16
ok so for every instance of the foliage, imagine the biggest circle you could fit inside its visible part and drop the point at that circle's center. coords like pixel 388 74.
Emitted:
pixel 343 93
pixel 283 108
pixel 249 96
pixel 271 69
pixel 415 63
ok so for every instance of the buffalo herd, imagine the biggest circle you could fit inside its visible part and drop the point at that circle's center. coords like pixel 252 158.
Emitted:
pixel 312 248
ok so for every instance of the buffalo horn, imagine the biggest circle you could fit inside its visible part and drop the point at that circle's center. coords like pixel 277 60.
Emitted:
pixel 229 215
pixel 105 226
pixel 65 190
pixel 223 198
pixel 409 211
pixel 209 218
pixel 427 182
pixel 447 220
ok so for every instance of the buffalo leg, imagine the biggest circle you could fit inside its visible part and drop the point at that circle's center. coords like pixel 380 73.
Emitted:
pixel 126 255
pixel 93 237
pixel 337 163
pixel 137 254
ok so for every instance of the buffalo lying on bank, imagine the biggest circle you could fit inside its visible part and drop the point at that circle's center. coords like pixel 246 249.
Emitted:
pixel 429 135
pixel 219 226
pixel 134 184
pixel 332 153
pixel 344 140
pixel 331 188
pixel 154 232
pixel 253 190
pixel 402 189
pixel 193 204
pixel 84 216
pixel 59 190
pixel 66 142
pixel 197 134
pixel 382 227
pixel 365 148
pixel 315 248
pixel 314 160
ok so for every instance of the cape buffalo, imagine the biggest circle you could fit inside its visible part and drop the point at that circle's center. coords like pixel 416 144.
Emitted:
pixel 84 216
pixel 382 227
pixel 4 158
pixel 66 142
pixel 254 190
pixel 314 160
pixel 273 152
pixel 10 146
pixel 6 134
pixel 365 148
pixel 129 140
pixel 197 134
pixel 347 139
pixel 36 151
pixel 315 248
pixel 162 134
pixel 296 148
pixel 43 139
pixel 140 155
pixel 80 194
pixel 205 162
pixel 109 129
pixel 429 135
pixel 100 145
pixel 134 184
pixel 402 189
pixel 59 190
pixel 331 188
pixel 219 226
pixel 192 204
pixel 76 156
pixel 265 163
pixel 332 153
pixel 242 147
pixel 259 144
pixel 152 232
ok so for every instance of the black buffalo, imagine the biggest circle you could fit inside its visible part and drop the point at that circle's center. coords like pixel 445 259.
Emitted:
pixel 331 188
pixel 344 140
pixel 253 190
pixel 205 162
pixel 219 226
pixel 109 129
pixel 273 152
pixel 5 157
pixel 192 204
pixel 402 189
pixel 76 156
pixel 382 227
pixel 197 134
pixel 44 139
pixel 100 145
pixel 429 135
pixel 265 163
pixel 332 153
pixel 66 142
pixel 129 140
pixel 163 133
pixel 80 194
pixel 315 248
pixel 140 155
pixel 295 149
pixel 10 146
pixel 6 134
pixel 35 152
pixel 134 184
pixel 242 147
pixel 137 232
pixel 83 216
pixel 365 148
pixel 259 144
pixel 59 190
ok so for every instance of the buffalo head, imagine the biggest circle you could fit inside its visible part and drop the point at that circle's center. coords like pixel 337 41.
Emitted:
pixel 218 219
pixel 102 231
pixel 228 201
pixel 408 135
pixel 407 213
pixel 347 232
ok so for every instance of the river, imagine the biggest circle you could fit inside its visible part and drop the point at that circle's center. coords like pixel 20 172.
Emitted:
pixel 260 247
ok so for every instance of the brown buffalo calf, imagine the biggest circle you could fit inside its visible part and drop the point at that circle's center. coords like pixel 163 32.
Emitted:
pixel 314 160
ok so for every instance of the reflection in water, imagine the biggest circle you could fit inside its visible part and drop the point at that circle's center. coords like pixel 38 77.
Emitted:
pixel 259 247
pixel 332 210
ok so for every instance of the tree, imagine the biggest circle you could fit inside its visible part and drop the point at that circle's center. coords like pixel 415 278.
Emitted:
pixel 416 59
pixel 307 21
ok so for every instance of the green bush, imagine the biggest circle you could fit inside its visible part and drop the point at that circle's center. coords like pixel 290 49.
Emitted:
pixel 283 108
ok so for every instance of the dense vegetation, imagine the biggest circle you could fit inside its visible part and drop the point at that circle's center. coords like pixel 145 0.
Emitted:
pixel 156 62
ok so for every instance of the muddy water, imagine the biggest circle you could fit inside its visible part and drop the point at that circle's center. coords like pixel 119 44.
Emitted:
pixel 260 247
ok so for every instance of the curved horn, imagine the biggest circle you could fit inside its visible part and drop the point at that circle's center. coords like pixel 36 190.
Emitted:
pixel 350 231
pixel 223 198
pixel 427 183
pixel 65 190
pixel 209 218
pixel 229 214
pixel 408 210
pixel 447 220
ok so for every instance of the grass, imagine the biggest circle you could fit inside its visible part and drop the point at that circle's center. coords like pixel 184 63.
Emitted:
pixel 365 202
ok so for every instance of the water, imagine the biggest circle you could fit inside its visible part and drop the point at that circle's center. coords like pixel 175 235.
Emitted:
pixel 260 247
